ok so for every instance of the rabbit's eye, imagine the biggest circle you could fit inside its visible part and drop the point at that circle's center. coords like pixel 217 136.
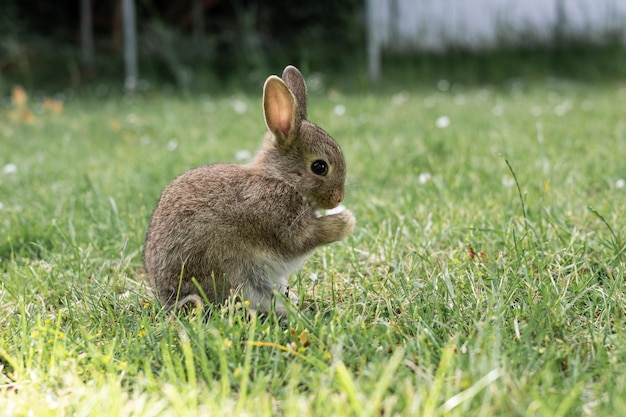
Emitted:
pixel 319 167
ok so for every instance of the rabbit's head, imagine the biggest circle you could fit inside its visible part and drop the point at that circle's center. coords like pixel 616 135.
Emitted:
pixel 296 150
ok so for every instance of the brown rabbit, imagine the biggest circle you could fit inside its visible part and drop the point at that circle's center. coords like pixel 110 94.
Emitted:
pixel 242 229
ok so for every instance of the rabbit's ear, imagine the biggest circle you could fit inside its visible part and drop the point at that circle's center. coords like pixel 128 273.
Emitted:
pixel 295 82
pixel 281 111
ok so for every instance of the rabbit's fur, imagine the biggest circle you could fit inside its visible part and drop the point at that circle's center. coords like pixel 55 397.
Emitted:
pixel 242 229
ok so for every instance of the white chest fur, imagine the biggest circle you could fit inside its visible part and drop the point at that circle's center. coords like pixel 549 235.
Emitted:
pixel 281 269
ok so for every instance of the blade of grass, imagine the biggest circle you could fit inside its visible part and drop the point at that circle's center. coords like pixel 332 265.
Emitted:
pixel 383 383
pixel 245 374
pixel 470 392
pixel 346 383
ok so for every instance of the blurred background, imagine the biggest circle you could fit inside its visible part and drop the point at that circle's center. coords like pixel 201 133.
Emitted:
pixel 215 44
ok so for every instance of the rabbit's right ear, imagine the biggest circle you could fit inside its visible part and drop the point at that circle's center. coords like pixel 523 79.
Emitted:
pixel 295 81
pixel 281 111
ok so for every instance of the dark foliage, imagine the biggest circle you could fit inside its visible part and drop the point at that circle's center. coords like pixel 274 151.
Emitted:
pixel 239 38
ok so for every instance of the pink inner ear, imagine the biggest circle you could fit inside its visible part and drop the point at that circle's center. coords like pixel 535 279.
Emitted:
pixel 284 122
pixel 279 107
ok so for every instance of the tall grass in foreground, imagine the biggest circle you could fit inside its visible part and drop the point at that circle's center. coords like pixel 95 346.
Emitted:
pixel 486 275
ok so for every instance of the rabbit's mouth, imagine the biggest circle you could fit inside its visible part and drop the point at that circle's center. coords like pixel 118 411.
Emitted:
pixel 324 200
pixel 330 199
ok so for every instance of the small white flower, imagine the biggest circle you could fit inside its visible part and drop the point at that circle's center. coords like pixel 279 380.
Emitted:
pixel 243 155
pixel 1 205
pixel 313 277
pixel 340 110
pixel 132 118
pixel 508 181
pixel 424 177
pixel 442 122
pixel 239 106
pixel 314 81
pixel 563 108
pixel 9 169
pixel 620 183
pixel 443 85
pixel 172 145
pixel 400 98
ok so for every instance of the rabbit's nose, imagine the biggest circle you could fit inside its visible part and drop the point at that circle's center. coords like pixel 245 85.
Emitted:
pixel 340 195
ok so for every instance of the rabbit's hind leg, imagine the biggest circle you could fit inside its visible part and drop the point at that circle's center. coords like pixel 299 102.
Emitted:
pixel 258 289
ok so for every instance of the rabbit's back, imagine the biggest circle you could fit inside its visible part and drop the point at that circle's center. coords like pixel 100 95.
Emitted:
pixel 221 221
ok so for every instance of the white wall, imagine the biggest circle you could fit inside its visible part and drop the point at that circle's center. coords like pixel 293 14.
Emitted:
pixel 482 24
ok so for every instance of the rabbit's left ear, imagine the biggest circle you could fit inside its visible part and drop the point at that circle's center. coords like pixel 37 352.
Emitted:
pixel 280 109
pixel 295 82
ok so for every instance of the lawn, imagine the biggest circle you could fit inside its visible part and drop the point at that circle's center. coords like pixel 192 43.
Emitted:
pixel 485 275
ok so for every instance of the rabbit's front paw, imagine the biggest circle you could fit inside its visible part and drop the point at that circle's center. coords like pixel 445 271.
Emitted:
pixel 288 293
pixel 337 226
pixel 293 298
pixel 349 221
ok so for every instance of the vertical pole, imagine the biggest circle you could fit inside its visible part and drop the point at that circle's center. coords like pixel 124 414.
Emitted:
pixel 373 42
pixel 130 45
pixel 86 35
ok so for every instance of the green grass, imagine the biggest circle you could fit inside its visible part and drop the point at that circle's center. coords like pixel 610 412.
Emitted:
pixel 485 277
